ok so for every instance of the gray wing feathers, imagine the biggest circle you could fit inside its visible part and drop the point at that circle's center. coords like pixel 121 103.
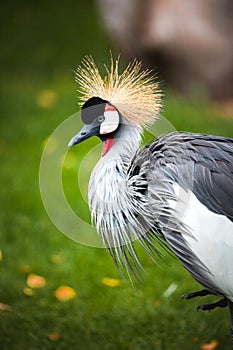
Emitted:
pixel 211 162
pixel 200 163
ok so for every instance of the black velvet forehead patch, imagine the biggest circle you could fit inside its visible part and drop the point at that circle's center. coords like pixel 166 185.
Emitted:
pixel 92 108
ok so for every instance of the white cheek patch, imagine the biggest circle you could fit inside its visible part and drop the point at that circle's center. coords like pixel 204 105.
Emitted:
pixel 111 121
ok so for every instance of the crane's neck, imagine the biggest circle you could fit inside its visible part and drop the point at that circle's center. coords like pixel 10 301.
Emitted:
pixel 108 197
pixel 126 141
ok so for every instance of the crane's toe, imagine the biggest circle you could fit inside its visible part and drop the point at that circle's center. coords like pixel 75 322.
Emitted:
pixel 200 293
pixel 221 303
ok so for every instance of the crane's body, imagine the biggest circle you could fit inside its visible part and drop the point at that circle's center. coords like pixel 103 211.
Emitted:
pixel 176 191
pixel 134 195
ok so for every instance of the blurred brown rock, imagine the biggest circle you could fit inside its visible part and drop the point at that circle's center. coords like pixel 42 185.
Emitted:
pixel 190 42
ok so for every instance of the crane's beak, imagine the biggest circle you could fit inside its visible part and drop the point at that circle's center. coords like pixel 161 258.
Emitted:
pixel 85 133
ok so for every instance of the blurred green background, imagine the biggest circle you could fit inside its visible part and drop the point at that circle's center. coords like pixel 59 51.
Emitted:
pixel 41 44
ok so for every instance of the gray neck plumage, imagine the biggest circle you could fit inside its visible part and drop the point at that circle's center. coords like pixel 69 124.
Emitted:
pixel 126 143
pixel 108 199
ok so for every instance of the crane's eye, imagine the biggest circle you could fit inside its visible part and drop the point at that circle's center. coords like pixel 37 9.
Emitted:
pixel 101 118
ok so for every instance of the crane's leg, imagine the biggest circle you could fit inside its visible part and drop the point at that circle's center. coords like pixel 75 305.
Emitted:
pixel 209 307
pixel 200 293
pixel 230 303
pixel 221 303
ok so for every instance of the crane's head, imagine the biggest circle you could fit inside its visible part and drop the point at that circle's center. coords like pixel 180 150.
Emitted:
pixel 133 96
pixel 100 119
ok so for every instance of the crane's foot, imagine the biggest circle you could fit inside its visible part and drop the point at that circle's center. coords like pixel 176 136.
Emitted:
pixel 221 303
pixel 200 293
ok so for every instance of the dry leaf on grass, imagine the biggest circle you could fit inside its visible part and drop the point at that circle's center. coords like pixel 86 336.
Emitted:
pixel 65 293
pixel 28 291
pixel 53 336
pixel 56 259
pixel 35 281
pixel 5 307
pixel 210 346
pixel 111 282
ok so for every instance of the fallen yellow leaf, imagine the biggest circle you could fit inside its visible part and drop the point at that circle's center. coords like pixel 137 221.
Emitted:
pixel 1 257
pixel 28 291
pixel 53 336
pixel 35 281
pixel 65 293
pixel 111 282
pixel 56 259
pixel 210 346
pixel 5 307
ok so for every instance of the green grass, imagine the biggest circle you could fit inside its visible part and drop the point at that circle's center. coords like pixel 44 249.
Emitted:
pixel 41 44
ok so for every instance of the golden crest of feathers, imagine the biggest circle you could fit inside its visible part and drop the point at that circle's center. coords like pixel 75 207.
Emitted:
pixel 133 92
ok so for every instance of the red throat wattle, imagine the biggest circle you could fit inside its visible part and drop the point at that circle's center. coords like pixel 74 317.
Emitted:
pixel 107 145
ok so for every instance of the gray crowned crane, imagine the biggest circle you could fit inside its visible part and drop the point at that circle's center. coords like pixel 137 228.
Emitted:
pixel 176 192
